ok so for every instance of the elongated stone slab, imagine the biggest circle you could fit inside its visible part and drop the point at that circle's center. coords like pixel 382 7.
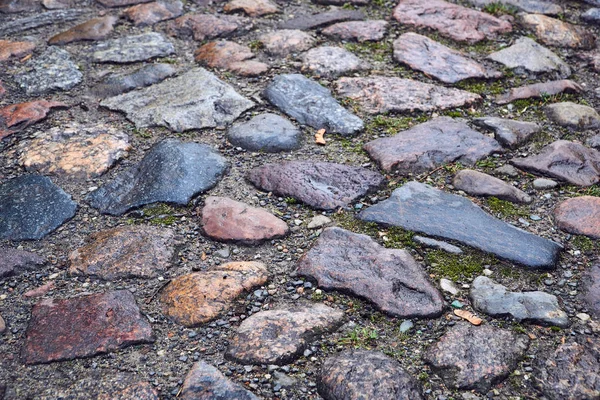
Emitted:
pixel 434 59
pixel 94 29
pixel 84 326
pixel 31 206
pixel 537 90
pixel 390 278
pixel 318 184
pixel 422 208
pixel 308 21
pixel 114 85
pixel 379 95
pixel 530 6
pixel 538 307
pixel 132 48
pixel 456 22
pixel 194 100
pixel 48 18
pixel 172 171
pixel 311 104
pixel 477 183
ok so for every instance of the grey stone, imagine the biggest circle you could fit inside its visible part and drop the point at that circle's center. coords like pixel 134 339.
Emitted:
pixel 172 172
pixel 31 206
pixel 594 141
pixel 507 170
pixel 311 104
pixel 52 70
pixel 319 184
pixel 437 244
pixel 265 132
pixel 364 374
pixel 14 261
pixel 132 48
pixel 48 18
pixel 286 41
pixel 537 307
pixel 205 382
pixel 194 100
pixel 448 286
pixel 568 161
pixel 116 84
pixel 361 31
pixel 330 61
pixel 476 357
pixel 573 115
pixel 527 55
pixel 421 208
pixel 434 59
pixel 479 184
pixel 544 184
pixel 530 6
pixel 305 22
pixel 431 144
pixel 592 16
pixel 390 278
pixel 509 133
pixel 318 221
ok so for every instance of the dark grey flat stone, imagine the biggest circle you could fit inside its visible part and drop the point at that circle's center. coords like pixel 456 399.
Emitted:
pixel 31 206
pixel 265 132
pixel 311 104
pixel 52 70
pixel 120 83
pixel 421 208
pixel 304 22
pixel 48 18
pixel 172 172
pixel 132 48
pixel 509 133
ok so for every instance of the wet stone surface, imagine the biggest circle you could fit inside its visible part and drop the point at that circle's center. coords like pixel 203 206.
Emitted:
pixel 320 185
pixel 421 208
pixel 52 70
pixel 392 279
pixel 31 206
pixel 132 48
pixel 172 171
pixel 60 329
pixel 591 289
pixel 265 132
pixel 358 374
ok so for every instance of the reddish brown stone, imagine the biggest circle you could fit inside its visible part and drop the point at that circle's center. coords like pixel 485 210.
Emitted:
pixel 13 261
pixel 554 32
pixel 580 216
pixel 229 220
pixel 254 8
pixel 10 49
pixel 137 391
pixel 84 326
pixel 125 252
pixel 537 90
pixel 231 56
pixel 279 336
pixel 564 160
pixel 151 13
pixel 477 183
pixel 248 68
pixel 199 297
pixel 456 22
pixel 94 29
pixel 205 382
pixel 40 291
pixel 286 42
pixel 361 31
pixel 390 278
pixel 207 26
pixel 121 3
pixel 17 117
pixel 380 94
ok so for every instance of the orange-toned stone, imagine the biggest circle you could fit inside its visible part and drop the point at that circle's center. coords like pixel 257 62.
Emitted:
pixel 199 297
pixel 151 13
pixel 17 117
pixel 222 54
pixel 40 291
pixel 229 220
pixel 580 216
pixel 10 49
pixel 94 29
pixel 254 8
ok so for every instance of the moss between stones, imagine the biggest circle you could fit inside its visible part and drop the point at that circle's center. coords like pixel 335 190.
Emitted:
pixel 392 237
pixel 379 51
pixel 458 266
pixel 504 208
pixel 362 337
pixel 393 125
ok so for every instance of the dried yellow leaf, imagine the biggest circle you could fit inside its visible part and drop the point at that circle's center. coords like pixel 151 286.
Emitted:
pixel 469 316
pixel 319 137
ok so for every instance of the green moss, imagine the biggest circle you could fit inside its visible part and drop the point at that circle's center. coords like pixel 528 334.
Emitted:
pixel 519 329
pixel 352 145
pixel 379 51
pixel 482 87
pixel 489 162
pixel 500 8
pixel 291 200
pixel 453 113
pixel 360 337
pixel 348 6
pixel 393 125
pixel 160 214
pixel 423 376
pixel 504 208
pixel 392 237
pixel 458 267
pixel 584 243
pixel 255 45
pixel 143 133
pixel 555 328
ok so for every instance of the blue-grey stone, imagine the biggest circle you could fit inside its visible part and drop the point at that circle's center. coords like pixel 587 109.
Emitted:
pixel 148 75
pixel 422 208
pixel 172 172
pixel 52 70
pixel 132 48
pixel 31 206
pixel 592 16
pixel 311 104
pixel 265 132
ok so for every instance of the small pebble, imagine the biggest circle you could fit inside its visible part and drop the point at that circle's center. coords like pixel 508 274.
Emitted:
pixel 406 325
pixel 457 304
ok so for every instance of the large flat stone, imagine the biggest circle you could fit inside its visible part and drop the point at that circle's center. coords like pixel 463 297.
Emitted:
pixel 579 215
pixel 311 104
pixel 253 8
pixel 14 261
pixel 310 21
pixel 379 95
pixel 434 59
pixel 16 117
pixel 172 172
pixel 509 133
pixel 83 327
pixel 568 161
pixel 31 206
pixel 57 18
pixel 319 184
pixel 286 41
pixel 132 48
pixel 530 6
pixel 267 132
pixel 125 252
pixel 554 32
pixel 194 100
pixel 52 70
pixel 199 297
pixel 421 208
pixel 205 382
pixel 477 183
pixel 476 357
pixel 279 336
pixel 456 22
pixel 537 307
pixel 364 374
pixel 431 144
pixel 390 278
pixel 231 56
pixel 151 13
